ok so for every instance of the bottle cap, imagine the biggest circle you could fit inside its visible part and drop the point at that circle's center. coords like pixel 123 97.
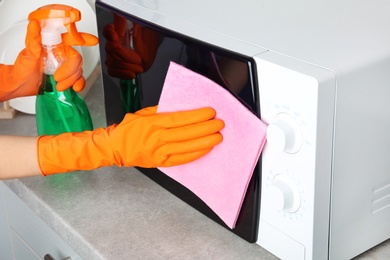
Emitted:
pixel 51 30
pixel 51 38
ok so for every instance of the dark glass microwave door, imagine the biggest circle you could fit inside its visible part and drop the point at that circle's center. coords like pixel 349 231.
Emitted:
pixel 158 48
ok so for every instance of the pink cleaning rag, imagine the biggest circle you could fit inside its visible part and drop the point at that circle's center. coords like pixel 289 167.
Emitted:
pixel 221 177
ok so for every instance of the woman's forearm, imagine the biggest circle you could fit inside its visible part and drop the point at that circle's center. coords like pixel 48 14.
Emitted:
pixel 18 157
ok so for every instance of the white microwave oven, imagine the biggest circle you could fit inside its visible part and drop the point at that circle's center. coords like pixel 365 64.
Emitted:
pixel 318 73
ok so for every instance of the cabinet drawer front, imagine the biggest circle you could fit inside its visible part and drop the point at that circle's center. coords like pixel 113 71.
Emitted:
pixel 5 239
pixel 21 250
pixel 34 232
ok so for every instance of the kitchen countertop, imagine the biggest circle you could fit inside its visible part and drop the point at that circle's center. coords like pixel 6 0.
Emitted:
pixel 119 213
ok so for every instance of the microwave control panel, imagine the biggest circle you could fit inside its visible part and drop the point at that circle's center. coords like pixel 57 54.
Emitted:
pixel 295 177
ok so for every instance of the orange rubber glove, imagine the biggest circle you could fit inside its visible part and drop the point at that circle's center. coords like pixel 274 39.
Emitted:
pixel 146 139
pixel 70 73
pixel 24 77
pixel 121 60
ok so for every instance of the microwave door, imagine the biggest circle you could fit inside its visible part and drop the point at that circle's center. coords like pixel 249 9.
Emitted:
pixel 157 49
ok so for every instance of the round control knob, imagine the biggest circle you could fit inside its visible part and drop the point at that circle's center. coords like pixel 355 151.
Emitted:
pixel 283 194
pixel 284 134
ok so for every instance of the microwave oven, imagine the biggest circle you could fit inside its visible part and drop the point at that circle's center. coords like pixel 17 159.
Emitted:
pixel 318 73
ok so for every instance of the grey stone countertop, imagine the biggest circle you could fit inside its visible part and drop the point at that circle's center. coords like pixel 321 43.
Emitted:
pixel 118 213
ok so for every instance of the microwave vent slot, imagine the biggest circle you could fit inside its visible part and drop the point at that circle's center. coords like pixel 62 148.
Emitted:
pixel 380 198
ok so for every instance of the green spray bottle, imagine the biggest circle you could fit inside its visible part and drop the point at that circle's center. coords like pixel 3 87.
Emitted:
pixel 59 111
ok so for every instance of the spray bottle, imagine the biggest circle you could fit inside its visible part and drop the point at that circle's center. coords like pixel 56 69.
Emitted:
pixel 59 111
pixel 129 88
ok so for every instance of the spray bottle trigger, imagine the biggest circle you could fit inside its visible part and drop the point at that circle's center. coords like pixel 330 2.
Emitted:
pixel 69 15
pixel 73 37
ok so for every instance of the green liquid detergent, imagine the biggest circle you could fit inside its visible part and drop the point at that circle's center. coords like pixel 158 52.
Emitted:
pixel 60 111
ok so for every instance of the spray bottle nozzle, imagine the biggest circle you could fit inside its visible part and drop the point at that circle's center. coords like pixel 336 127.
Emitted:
pixel 56 16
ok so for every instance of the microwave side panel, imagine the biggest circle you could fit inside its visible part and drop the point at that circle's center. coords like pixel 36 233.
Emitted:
pixel 361 179
pixel 297 101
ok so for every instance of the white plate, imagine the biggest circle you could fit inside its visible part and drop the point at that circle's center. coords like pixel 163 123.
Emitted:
pixel 13 24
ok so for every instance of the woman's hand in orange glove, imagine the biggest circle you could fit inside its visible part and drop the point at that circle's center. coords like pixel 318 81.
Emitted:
pixel 145 139
pixel 70 73
pixel 164 139
pixel 24 77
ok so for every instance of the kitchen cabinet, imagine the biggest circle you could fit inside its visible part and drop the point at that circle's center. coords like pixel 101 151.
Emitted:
pixel 23 235
pixel 5 240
